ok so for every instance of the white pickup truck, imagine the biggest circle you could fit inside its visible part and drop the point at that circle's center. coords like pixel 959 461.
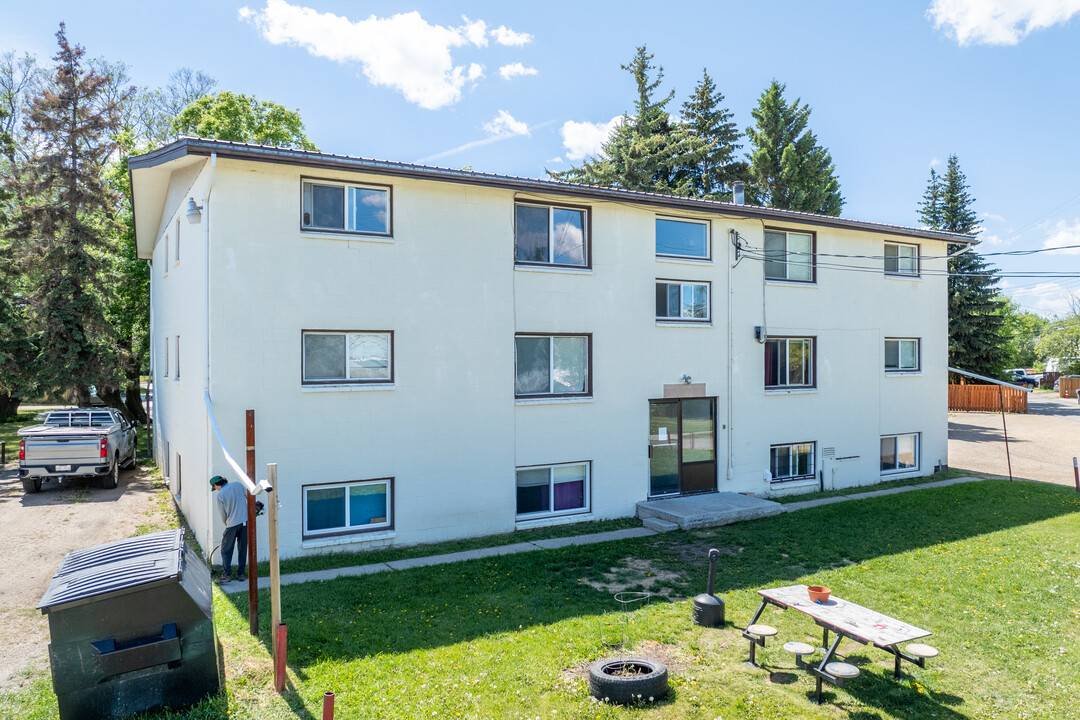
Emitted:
pixel 83 442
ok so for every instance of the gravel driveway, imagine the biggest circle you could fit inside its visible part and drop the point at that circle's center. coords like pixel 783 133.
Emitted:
pixel 1042 443
pixel 37 532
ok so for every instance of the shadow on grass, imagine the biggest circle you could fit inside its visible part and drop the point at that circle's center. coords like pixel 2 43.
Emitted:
pixel 424 608
pixel 894 697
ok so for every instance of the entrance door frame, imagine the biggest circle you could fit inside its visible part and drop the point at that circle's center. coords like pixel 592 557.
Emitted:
pixel 679 444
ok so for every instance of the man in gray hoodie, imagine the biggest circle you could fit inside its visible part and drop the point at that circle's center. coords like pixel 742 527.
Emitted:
pixel 232 507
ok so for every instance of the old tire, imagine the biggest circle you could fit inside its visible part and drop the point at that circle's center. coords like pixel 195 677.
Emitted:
pixel 646 681
pixel 110 481
pixel 31 485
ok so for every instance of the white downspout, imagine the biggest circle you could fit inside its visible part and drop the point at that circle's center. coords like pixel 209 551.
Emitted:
pixel 730 357
pixel 208 541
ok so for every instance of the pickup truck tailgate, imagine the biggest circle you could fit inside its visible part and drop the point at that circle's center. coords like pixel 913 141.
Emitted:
pixel 73 451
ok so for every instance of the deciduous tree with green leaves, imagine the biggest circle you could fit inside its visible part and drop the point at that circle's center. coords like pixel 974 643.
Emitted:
pixel 240 118
pixel 1022 331
pixel 788 168
pixel 976 308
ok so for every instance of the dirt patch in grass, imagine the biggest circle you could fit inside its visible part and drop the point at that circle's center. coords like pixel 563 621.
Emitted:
pixel 636 574
pixel 670 655
pixel 698 552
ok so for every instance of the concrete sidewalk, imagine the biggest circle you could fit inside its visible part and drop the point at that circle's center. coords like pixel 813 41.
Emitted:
pixel 549 544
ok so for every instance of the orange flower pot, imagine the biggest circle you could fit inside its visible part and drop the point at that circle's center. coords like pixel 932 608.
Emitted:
pixel 819 594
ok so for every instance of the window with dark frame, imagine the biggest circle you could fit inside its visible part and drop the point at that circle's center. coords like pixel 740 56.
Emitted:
pixel 550 235
pixel 552 365
pixel 789 363
pixel 550 490
pixel 792 462
pixel 344 207
pixel 165 359
pixel 178 240
pixel 901 259
pixel 789 256
pixel 901 354
pixel 682 239
pixel 347 357
pixel 682 301
pixel 899 453
pixel 177 373
pixel 348 507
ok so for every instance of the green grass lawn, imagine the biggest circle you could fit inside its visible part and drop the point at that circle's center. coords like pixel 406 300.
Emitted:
pixel 991 568
pixel 9 433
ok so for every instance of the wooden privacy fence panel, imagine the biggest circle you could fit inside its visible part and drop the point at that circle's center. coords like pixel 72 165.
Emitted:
pixel 1048 379
pixel 1067 387
pixel 987 398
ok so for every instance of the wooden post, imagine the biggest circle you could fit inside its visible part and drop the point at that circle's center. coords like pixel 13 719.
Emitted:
pixel 281 642
pixel 1076 475
pixel 275 578
pixel 253 566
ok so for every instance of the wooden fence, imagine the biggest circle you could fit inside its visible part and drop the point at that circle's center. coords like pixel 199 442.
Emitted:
pixel 986 398
pixel 1068 387
pixel 1048 378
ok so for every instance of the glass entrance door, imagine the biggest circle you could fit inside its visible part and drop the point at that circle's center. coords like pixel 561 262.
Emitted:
pixel 682 446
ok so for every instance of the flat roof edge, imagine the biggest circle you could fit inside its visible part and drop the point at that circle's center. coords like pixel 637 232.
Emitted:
pixel 261 153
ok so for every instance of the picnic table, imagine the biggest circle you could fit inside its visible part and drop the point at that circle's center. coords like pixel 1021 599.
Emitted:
pixel 846 619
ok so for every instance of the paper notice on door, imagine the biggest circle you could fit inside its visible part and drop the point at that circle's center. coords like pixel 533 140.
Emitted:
pixel 662 432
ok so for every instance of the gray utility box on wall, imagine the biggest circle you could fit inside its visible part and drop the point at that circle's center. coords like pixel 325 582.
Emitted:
pixel 132 628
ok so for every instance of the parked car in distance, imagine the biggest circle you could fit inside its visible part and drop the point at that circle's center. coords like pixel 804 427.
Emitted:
pixel 81 442
pixel 1057 383
pixel 1019 376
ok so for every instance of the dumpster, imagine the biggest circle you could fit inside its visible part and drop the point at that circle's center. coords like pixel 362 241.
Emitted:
pixel 131 628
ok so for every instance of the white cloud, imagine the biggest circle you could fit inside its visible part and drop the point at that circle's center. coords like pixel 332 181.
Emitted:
pixel 502 127
pixel 514 70
pixel 991 240
pixel 1049 298
pixel 504 124
pixel 505 36
pixel 582 139
pixel 403 51
pixel 998 22
pixel 1063 235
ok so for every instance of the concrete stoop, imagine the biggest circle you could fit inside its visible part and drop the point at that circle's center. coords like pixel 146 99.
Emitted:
pixel 695 511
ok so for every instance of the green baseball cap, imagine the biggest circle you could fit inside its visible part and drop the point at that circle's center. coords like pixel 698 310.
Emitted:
pixel 217 480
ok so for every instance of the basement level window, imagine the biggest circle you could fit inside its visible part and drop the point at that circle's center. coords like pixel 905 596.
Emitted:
pixel 352 507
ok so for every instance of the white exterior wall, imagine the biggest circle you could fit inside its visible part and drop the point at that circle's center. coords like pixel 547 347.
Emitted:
pixel 449 431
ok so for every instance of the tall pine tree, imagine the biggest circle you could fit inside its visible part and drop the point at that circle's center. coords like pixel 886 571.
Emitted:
pixel 710 166
pixel 645 151
pixel 977 341
pixel 65 229
pixel 788 168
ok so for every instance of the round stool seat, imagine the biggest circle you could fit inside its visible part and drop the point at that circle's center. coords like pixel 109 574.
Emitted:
pixel 842 670
pixel 799 648
pixel 762 630
pixel 920 650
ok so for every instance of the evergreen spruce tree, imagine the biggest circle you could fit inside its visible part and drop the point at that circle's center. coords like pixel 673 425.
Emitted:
pixel 710 166
pixel 64 229
pixel 644 152
pixel 788 168
pixel 977 342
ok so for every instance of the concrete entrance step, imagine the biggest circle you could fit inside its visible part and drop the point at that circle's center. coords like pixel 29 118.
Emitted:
pixel 659 525
pixel 695 511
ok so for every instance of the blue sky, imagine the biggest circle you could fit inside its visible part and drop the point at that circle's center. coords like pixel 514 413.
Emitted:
pixel 517 88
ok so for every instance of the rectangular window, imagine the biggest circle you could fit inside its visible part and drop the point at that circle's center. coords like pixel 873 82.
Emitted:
pixel 792 462
pixel 165 361
pixel 901 354
pixel 348 357
pixel 789 362
pixel 179 476
pixel 552 365
pixel 549 235
pixel 899 453
pixel 901 259
pixel 682 301
pixel 338 509
pixel 345 208
pixel 178 240
pixel 544 491
pixel 177 357
pixel 167 447
pixel 789 256
pixel 682 238
pixel 165 264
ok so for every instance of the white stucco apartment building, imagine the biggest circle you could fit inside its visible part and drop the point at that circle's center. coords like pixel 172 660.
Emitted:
pixel 435 354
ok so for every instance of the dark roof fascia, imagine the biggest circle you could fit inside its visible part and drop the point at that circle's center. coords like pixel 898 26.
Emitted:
pixel 260 153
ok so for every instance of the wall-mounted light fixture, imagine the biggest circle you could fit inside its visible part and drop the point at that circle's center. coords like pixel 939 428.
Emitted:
pixel 194 212
pixel 687 379
pixel 759 333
